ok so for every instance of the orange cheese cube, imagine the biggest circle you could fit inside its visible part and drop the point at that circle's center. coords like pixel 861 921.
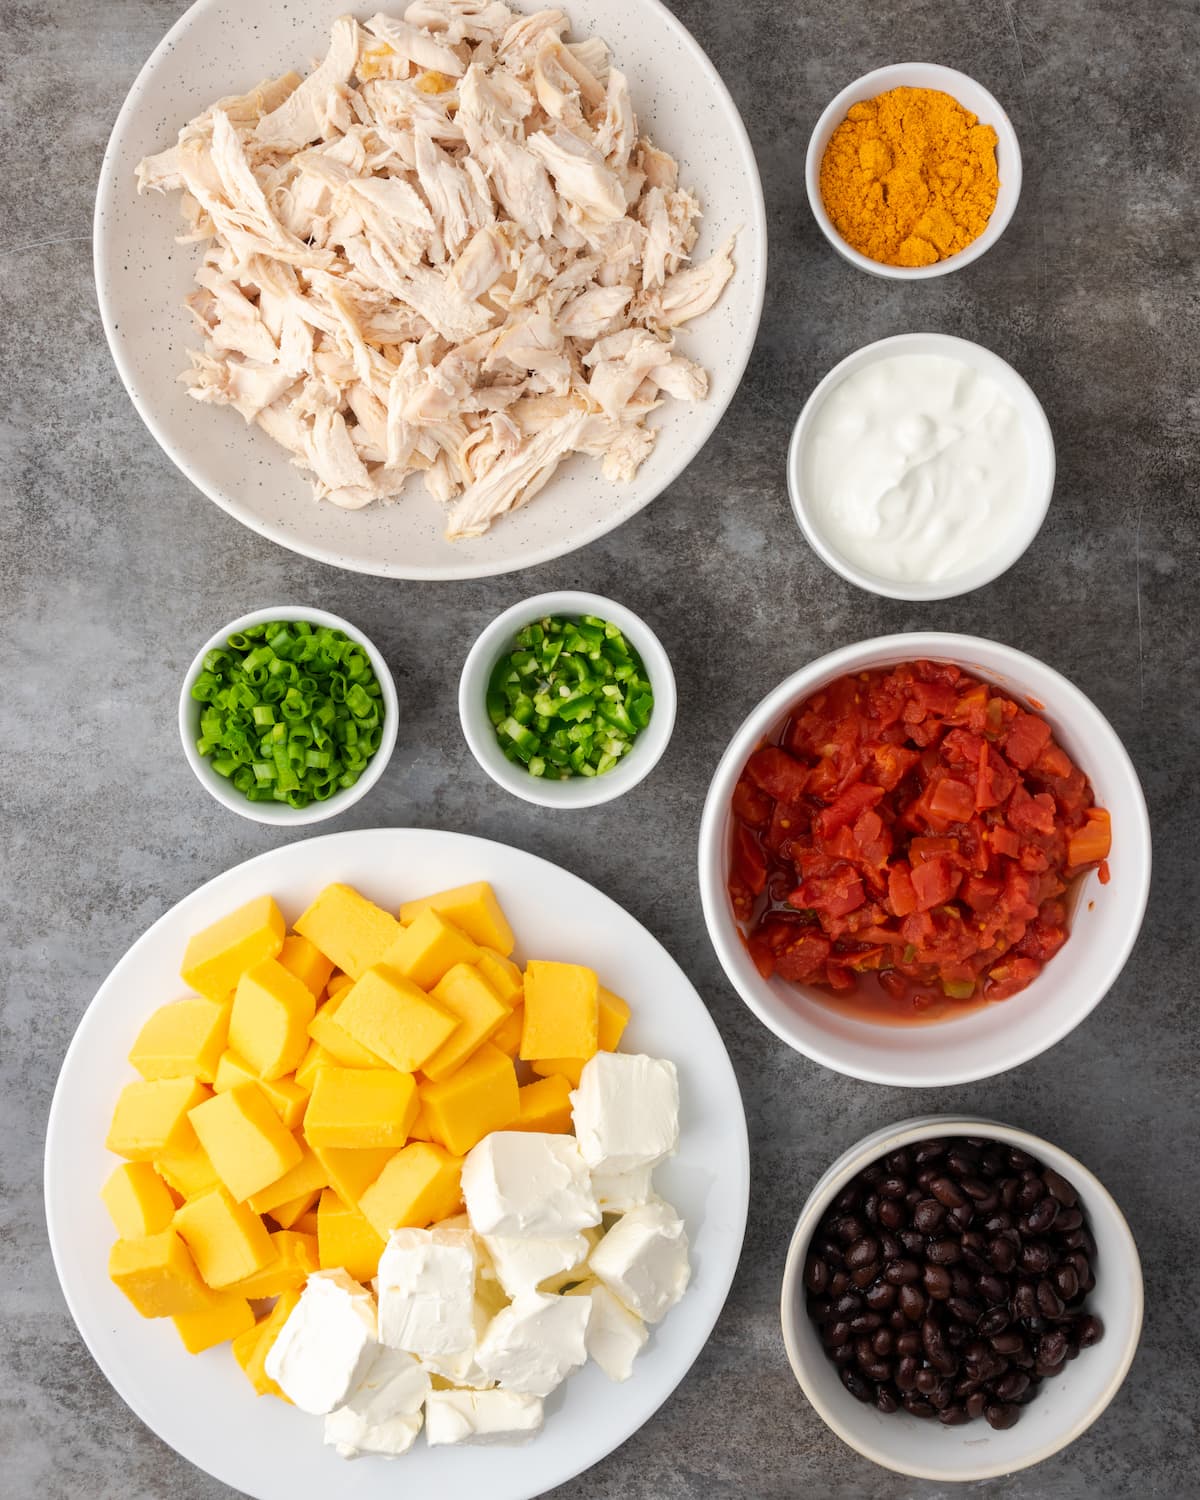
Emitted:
pixel 288 1098
pixel 294 1260
pixel 189 1172
pixel 334 1039
pixel 614 1016
pixel 223 1319
pixel 337 983
pixel 306 961
pixel 183 1040
pixel 351 1173
pixel 137 1200
pixel 216 958
pixel 346 1239
pixel 307 1176
pixel 570 1068
pixel 420 1130
pixel 287 1215
pixel 479 1097
pixel 545 1106
pixel 349 929
pixel 424 951
pixel 245 1139
pixel 306 1223
pixel 562 1011
pixel 420 1185
pixel 359 1108
pixel 507 1035
pixel 158 1275
pixel 151 1118
pixel 228 1240
pixel 268 1025
pixel 255 1357
pixel 395 1020
pixel 465 993
pixel 473 908
pixel 316 1057
pixel 503 976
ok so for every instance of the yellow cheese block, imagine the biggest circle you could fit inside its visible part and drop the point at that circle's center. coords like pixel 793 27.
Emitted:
pixel 349 929
pixel 507 1035
pixel 562 1011
pixel 288 1098
pixel 614 1017
pixel 216 958
pixel 223 1319
pixel 288 1215
pixel 137 1200
pixel 245 1139
pixel 420 1130
pixel 360 1108
pixel 307 1176
pixel 333 1038
pixel 419 1186
pixel 473 908
pixel 228 1240
pixel 158 1275
pixel 294 1260
pixel 351 1173
pixel 268 1025
pixel 346 1239
pixel 184 1040
pixel 306 961
pixel 338 982
pixel 316 1057
pixel 465 993
pixel 503 976
pixel 395 1020
pixel 268 1331
pixel 151 1118
pixel 188 1173
pixel 306 1223
pixel 424 951
pixel 479 1097
pixel 545 1106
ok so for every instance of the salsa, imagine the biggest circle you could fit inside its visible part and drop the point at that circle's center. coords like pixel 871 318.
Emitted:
pixel 913 834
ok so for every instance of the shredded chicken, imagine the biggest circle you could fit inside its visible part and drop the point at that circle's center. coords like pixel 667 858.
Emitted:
pixel 446 252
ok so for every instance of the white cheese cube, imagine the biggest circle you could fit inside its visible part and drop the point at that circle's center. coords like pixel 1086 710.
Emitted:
pixel 522 1182
pixel 463 1368
pixel 384 1414
pixel 626 1111
pixel 427 1290
pixel 533 1345
pixel 643 1260
pixel 481 1417
pixel 328 1344
pixel 618 1192
pixel 522 1264
pixel 615 1336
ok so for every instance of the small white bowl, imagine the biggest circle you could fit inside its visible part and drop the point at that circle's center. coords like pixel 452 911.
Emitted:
pixel 1104 924
pixel 580 791
pixel 279 813
pixel 973 97
pixel 1039 443
pixel 1064 1408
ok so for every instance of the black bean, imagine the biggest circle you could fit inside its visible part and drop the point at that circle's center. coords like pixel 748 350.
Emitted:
pixel 1014 1384
pixel 1048 1300
pixel 1041 1216
pixel 943 1252
pixel 1059 1188
pixel 902 1272
pixel 858 1387
pixel 908 1342
pixel 954 1416
pixel 1019 1159
pixel 947 1192
pixel 893 1187
pixel 1008 1342
pixel 928 1215
pixel 912 1240
pixel 1024 1300
pixel 880 1297
pixel 1069 1219
pixel 842 1354
pixel 838 1283
pixel 871 1208
pixel 1035 1257
pixel 891 1216
pixel 906 1373
pixel 994 1223
pixel 883 1342
pixel 975 1404
pixel 965 1310
pixel 835 1333
pixel 926 1381
pixel 992 1289
pixel 938 1283
pixel 927 1151
pixel 848 1198
pixel 1002 1256
pixel 885 1399
pixel 848 1228
pixel 995 1320
pixel 1001 1417
pixel 819 1308
pixel 864 1276
pixel 890 1247
pixel 865 1322
pixel 900 1163
pixel 1052 1347
pixel 846 1304
pixel 975 1188
pixel 912 1303
pixel 1066 1282
pixel 1029 1193
pixel 1089 1330
pixel 862 1252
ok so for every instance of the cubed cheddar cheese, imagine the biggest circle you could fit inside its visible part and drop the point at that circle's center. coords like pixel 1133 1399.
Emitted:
pixel 351 1173
pixel 389 1016
pixel 562 1011
pixel 465 993
pixel 253 1355
pixel 346 1239
pixel 268 1025
pixel 479 1097
pixel 426 949
pixel 419 1186
pixel 158 1275
pixel 223 1319
pixel 502 974
pixel 507 1035
pixel 306 961
pixel 360 1108
pixel 307 1176
pixel 245 1139
pixel 288 1098
pixel 306 1223
pixel 316 1057
pixel 545 1106
pixel 216 958
pixel 151 1118
pixel 349 929
pixel 613 1018
pixel 188 1172
pixel 137 1200
pixel 294 1260
pixel 183 1040
pixel 420 1130
pixel 228 1240
pixel 337 983
pixel 473 908
pixel 334 1039
pixel 288 1215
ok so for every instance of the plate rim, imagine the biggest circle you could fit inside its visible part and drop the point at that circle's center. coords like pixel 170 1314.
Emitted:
pixel 106 191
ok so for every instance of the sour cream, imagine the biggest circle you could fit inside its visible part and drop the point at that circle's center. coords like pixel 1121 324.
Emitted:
pixel 916 469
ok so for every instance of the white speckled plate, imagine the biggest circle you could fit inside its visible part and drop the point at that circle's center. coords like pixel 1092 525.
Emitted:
pixel 222 47
pixel 202 1406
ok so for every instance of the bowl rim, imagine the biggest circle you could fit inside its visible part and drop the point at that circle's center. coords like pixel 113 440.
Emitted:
pixel 880 80
pixel 891 1137
pixel 279 814
pixel 1034 422
pixel 578 792
pixel 904 646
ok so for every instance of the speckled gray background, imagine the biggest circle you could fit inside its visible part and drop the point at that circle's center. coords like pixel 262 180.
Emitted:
pixel 114 569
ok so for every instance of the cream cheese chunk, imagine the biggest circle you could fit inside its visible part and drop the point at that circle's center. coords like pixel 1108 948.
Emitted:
pixel 463 1368
pixel 643 1260
pixel 522 1183
pixel 383 1415
pixel 618 1192
pixel 427 1291
pixel 533 1344
pixel 615 1336
pixel 326 1348
pixel 481 1417
pixel 626 1111
pixel 522 1264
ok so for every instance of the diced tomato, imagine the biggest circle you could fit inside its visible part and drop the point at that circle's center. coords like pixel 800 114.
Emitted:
pixel 1027 737
pixel 750 804
pixel 1008 978
pixel 837 894
pixel 1030 814
pixel 952 800
pixel 920 850
pixel 847 808
pixel 902 896
pixel 803 957
pixel 980 892
pixel 934 882
pixel 777 773
pixel 892 763
pixel 1091 843
pixel 1054 761
pixel 1005 841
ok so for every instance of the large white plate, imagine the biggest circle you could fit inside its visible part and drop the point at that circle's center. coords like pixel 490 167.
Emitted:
pixel 221 47
pixel 202 1405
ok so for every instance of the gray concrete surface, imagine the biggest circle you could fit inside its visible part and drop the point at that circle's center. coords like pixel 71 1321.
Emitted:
pixel 113 568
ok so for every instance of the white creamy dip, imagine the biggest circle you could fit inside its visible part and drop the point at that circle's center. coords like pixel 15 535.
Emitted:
pixel 916 468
